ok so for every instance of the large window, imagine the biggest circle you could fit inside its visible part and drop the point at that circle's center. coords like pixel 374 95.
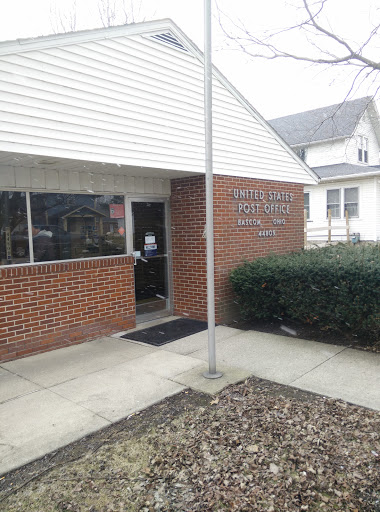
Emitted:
pixel 63 226
pixel 362 149
pixel 306 202
pixel 351 202
pixel 14 246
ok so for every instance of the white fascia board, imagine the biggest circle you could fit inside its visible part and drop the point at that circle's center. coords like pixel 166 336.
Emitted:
pixel 346 177
pixel 54 40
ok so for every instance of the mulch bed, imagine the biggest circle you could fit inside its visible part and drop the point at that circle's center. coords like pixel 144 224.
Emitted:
pixel 256 446
pixel 307 332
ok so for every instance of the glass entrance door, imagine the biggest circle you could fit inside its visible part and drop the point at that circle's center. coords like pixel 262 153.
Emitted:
pixel 151 259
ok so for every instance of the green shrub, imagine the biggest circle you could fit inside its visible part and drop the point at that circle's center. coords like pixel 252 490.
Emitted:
pixel 335 287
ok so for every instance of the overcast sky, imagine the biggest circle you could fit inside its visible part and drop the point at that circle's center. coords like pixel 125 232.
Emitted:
pixel 275 88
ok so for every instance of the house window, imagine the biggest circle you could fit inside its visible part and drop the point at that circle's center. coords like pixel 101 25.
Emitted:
pixel 362 149
pixel 301 152
pixel 64 226
pixel 333 203
pixel 306 202
pixel 351 201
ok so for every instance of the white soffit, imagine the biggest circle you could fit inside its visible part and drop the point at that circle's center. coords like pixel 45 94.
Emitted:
pixel 49 163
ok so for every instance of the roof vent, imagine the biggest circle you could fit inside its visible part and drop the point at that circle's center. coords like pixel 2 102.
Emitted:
pixel 169 39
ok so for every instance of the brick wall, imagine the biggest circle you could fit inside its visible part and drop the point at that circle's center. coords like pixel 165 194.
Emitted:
pixel 233 243
pixel 46 306
pixel 188 217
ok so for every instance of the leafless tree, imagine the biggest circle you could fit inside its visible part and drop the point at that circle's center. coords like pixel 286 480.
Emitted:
pixel 119 12
pixel 311 39
pixel 64 20
pixel 109 12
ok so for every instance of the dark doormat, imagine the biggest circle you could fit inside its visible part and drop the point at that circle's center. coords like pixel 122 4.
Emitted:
pixel 167 332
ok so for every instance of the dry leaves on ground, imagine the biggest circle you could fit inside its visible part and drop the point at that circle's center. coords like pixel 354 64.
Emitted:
pixel 254 447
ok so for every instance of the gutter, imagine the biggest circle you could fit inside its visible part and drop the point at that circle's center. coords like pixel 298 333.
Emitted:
pixel 321 141
pixel 350 176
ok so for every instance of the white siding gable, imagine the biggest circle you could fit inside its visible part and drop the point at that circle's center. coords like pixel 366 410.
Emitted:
pixel 326 153
pixel 366 129
pixel 131 100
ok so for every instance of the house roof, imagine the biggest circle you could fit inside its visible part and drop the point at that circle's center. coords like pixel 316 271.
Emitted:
pixel 345 171
pixel 334 121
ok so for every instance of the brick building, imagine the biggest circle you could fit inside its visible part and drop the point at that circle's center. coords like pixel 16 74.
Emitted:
pixel 102 187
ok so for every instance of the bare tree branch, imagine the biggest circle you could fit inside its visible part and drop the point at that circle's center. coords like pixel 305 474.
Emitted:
pixel 119 12
pixel 333 49
pixel 107 12
pixel 64 21
pixel 111 13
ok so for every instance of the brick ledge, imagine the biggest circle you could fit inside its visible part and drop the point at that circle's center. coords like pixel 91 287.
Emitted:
pixel 63 266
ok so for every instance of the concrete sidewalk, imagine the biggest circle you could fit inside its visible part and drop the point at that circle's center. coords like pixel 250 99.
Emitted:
pixel 52 399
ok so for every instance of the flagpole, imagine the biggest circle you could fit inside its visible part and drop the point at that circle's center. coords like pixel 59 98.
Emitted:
pixel 212 373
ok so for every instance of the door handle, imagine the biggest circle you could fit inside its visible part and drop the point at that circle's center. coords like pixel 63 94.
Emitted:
pixel 136 254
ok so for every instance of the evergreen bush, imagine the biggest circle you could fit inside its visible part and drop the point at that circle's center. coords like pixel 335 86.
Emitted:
pixel 335 287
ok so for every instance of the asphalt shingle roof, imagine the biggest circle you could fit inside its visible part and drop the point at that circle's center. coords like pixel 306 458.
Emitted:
pixel 322 123
pixel 332 171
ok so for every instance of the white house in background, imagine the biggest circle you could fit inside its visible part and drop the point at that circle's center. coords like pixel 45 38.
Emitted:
pixel 341 144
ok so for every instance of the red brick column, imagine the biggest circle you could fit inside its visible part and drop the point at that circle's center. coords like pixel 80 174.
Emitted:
pixel 188 218
pixel 46 306
pixel 233 243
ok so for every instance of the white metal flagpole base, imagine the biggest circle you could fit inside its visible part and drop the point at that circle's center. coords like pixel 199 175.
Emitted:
pixel 215 375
